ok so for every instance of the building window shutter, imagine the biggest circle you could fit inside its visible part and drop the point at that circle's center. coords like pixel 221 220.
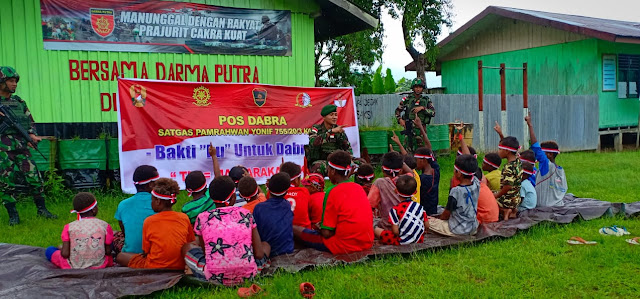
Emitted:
pixel 628 76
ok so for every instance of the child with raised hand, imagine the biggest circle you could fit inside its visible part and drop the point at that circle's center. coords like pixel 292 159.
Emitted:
pixel 274 216
pixel 551 182
pixel 509 194
pixel 491 164
pixel 410 161
pixel 471 151
pixel 297 195
pixel 429 179
pixel 228 246
pixel 527 190
pixel 529 157
pixel 408 218
pixel 314 183
pixel 86 242
pixel 382 196
pixel 196 185
pixel 132 211
pixel 364 177
pixel 163 234
pixel 347 222
pixel 251 192
pixel 459 216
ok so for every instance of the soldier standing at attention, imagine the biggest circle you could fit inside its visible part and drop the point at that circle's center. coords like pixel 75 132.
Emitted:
pixel 324 139
pixel 409 107
pixel 16 167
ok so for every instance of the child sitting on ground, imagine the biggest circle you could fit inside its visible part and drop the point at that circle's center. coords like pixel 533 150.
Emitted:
pixel 410 161
pixel 347 222
pixel 491 164
pixel 459 216
pixel 488 210
pixel 196 185
pixel 163 234
pixel 429 179
pixel 408 218
pixel 527 190
pixel 364 177
pixel 315 185
pixel 529 157
pixel 86 242
pixel 472 151
pixel 297 195
pixel 227 244
pixel 132 211
pixel 382 196
pixel 274 217
pixel 509 194
pixel 551 182
pixel 251 192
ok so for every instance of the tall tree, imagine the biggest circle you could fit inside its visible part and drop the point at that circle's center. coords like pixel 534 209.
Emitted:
pixel 366 87
pixel 378 82
pixel 422 22
pixel 338 60
pixel 404 85
pixel 389 82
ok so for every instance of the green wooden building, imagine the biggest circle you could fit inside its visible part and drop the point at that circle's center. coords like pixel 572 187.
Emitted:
pixel 67 100
pixel 566 55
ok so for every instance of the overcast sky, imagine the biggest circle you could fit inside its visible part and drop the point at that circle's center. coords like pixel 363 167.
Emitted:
pixel 396 57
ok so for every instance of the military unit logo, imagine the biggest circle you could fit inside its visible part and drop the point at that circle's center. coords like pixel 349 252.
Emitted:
pixel 102 21
pixel 259 96
pixel 303 100
pixel 201 95
pixel 138 95
pixel 340 103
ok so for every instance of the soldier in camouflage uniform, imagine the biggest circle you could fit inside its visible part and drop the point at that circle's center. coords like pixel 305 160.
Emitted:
pixel 324 139
pixel 415 104
pixel 16 167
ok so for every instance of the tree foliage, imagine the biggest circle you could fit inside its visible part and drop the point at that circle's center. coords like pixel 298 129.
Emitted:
pixel 339 60
pixel 404 85
pixel 378 82
pixel 389 82
pixel 422 22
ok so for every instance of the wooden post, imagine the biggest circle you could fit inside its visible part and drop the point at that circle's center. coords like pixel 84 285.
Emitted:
pixel 525 105
pixel 503 99
pixel 480 86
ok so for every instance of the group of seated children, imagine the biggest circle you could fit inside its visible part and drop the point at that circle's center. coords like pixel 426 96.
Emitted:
pixel 229 230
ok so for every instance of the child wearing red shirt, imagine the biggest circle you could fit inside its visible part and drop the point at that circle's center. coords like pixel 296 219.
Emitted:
pixel 347 222
pixel 298 196
pixel 315 185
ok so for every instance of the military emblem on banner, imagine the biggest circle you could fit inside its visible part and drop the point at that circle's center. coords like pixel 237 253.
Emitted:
pixel 303 100
pixel 138 95
pixel 259 96
pixel 340 103
pixel 201 95
pixel 102 21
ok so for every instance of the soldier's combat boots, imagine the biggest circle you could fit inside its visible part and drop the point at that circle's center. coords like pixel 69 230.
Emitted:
pixel 42 209
pixel 14 218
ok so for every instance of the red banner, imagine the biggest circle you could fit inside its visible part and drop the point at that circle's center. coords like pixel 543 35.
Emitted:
pixel 170 124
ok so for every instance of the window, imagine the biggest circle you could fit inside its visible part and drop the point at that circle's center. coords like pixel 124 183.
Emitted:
pixel 628 76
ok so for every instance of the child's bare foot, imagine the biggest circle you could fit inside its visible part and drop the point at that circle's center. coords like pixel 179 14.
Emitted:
pixel 187 270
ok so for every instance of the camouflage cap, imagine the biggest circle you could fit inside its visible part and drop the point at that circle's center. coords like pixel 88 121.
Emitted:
pixel 417 82
pixel 7 72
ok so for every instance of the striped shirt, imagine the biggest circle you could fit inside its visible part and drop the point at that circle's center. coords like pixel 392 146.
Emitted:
pixel 410 217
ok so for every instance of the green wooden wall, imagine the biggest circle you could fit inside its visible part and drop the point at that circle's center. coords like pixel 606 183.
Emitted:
pixel 615 112
pixel 53 98
pixel 573 68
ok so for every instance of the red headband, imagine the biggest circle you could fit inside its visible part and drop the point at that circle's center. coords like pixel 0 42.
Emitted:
pixel 226 200
pixel 528 161
pixel 279 194
pixel 423 157
pixel 508 148
pixel 366 177
pixel 338 167
pixel 171 197
pixel 528 172
pixel 87 209
pixel 155 178
pixel 462 171
pixel 252 195
pixel 551 150
pixel 393 171
pixel 190 191
pixel 405 195
pixel 488 162
pixel 297 176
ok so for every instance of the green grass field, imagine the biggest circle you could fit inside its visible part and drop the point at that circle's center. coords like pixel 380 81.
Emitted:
pixel 535 263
